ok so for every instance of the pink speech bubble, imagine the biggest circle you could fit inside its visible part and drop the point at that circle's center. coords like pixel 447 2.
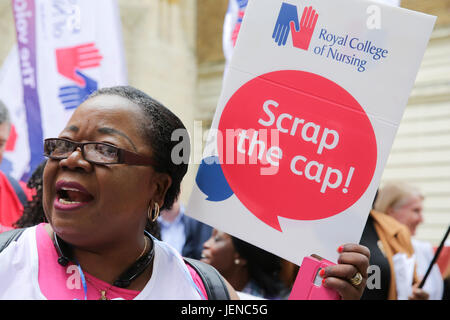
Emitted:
pixel 296 145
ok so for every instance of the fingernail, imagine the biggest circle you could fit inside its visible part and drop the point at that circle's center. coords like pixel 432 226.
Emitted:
pixel 340 249
pixel 323 281
pixel 322 272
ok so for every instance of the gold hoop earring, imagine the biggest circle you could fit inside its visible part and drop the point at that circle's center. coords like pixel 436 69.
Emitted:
pixel 153 214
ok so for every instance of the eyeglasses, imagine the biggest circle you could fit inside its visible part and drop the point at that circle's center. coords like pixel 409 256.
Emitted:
pixel 94 152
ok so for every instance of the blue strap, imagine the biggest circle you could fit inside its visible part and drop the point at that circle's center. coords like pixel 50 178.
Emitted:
pixel 83 280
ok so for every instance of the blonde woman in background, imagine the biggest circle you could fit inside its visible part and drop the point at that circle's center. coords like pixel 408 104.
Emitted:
pixel 404 202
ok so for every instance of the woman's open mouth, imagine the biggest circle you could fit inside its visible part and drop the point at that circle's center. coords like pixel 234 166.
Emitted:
pixel 71 195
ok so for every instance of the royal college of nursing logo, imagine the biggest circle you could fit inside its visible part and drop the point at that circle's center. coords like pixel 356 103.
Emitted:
pixel 70 61
pixel 288 23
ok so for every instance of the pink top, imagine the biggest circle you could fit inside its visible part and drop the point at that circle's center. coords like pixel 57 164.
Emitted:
pixel 64 283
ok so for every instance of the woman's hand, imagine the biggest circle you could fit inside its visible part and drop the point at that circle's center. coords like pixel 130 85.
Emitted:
pixel 353 259
pixel 418 294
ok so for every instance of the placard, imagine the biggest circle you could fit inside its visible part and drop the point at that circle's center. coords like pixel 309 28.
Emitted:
pixel 310 106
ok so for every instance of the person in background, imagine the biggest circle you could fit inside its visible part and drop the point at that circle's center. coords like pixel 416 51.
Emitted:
pixel 385 237
pixel 288 273
pixel 13 195
pixel 404 203
pixel 255 273
pixel 182 232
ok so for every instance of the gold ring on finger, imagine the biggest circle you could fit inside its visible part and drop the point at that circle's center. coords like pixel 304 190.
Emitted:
pixel 356 279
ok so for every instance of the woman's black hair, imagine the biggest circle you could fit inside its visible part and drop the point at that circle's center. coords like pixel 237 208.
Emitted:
pixel 158 128
pixel 263 267
pixel 33 212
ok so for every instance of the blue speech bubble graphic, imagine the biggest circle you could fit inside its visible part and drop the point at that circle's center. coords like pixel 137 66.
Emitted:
pixel 211 180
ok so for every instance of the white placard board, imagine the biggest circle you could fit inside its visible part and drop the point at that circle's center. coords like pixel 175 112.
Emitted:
pixel 310 106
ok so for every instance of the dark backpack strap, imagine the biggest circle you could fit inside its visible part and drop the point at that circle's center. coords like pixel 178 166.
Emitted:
pixel 215 286
pixel 9 236
pixel 18 189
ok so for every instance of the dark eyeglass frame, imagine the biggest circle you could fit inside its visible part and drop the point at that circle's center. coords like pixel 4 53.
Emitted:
pixel 124 156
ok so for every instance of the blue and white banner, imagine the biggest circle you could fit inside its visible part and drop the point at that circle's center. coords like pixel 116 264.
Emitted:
pixel 66 49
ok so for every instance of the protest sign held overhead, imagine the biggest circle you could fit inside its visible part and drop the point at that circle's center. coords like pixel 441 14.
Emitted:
pixel 309 109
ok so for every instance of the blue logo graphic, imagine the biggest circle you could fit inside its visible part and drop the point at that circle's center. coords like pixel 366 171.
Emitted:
pixel 211 180
pixel 288 13
pixel 72 96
